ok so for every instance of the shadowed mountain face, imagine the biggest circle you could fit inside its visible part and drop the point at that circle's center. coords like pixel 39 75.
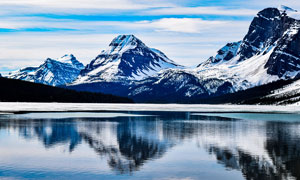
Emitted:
pixel 265 29
pixel 258 149
pixel 273 28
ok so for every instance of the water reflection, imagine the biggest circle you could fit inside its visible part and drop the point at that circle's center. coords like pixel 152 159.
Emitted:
pixel 257 149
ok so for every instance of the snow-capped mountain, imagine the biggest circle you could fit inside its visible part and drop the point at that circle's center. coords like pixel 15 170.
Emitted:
pixel 126 59
pixel 273 37
pixel 270 51
pixel 52 72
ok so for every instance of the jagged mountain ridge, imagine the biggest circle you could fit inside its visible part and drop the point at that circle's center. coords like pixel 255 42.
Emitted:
pixel 269 52
pixel 126 59
pixel 52 72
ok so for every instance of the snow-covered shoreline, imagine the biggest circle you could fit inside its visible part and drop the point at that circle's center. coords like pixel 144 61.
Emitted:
pixel 14 107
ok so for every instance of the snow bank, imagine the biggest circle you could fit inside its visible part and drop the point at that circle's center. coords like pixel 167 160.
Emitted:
pixel 81 107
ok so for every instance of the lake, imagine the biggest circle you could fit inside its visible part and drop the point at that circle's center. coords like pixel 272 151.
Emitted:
pixel 149 145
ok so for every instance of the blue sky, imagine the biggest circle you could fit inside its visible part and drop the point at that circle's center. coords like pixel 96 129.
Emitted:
pixel 186 31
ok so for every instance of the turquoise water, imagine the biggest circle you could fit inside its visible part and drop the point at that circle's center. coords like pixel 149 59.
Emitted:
pixel 149 145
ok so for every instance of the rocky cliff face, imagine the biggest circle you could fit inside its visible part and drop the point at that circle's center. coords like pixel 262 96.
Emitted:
pixel 273 28
pixel 285 59
pixel 265 29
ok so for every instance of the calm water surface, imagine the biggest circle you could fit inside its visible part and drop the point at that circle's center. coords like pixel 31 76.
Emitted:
pixel 149 145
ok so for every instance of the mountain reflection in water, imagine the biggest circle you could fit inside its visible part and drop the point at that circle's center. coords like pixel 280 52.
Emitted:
pixel 257 149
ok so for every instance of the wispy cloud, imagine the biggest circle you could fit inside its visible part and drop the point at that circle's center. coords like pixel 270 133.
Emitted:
pixel 183 25
pixel 11 7
pixel 83 4
pixel 200 10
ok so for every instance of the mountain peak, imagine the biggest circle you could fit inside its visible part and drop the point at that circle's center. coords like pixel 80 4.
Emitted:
pixel 67 59
pixel 269 13
pixel 127 58
pixel 122 43
pixel 52 72
pixel 124 39
pixel 272 14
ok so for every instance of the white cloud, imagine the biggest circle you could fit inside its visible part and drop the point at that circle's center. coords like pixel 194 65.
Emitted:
pixel 182 25
pixel 86 7
pixel 259 4
pixel 185 25
pixel 142 7
pixel 200 10
pixel 81 4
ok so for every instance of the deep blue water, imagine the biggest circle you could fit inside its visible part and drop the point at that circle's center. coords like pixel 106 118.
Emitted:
pixel 149 145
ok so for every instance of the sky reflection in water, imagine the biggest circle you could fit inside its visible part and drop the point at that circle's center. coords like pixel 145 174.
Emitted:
pixel 160 145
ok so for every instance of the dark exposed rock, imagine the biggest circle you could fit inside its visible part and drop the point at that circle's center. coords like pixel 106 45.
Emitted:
pixel 286 56
pixel 265 29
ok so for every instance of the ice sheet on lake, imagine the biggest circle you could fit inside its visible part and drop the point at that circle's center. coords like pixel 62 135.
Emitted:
pixel 82 107
pixel 63 115
pixel 256 116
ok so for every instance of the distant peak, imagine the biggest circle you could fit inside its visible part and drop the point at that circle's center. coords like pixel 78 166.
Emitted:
pixel 67 58
pixel 125 36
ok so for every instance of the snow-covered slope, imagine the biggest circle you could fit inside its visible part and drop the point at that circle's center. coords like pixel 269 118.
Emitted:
pixel 126 59
pixel 52 72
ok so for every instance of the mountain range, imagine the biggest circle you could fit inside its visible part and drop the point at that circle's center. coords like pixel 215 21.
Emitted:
pixel 268 56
